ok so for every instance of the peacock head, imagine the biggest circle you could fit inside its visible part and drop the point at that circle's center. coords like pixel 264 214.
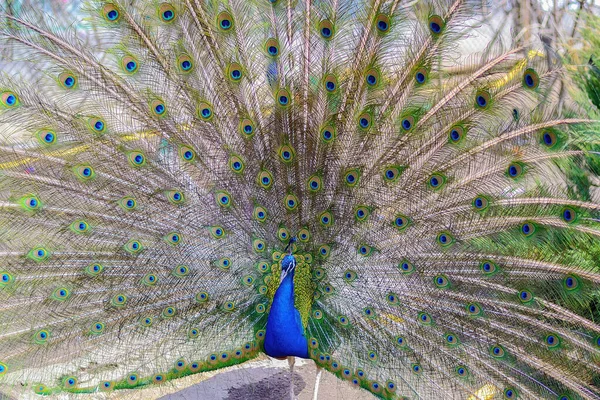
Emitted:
pixel 288 264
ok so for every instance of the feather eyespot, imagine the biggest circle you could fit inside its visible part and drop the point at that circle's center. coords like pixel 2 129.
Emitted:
pixel 364 121
pixel 283 234
pixel 436 24
pixel 61 294
pixel 416 369
pixel 480 203
pixel 528 229
pixel 392 299
pixel 497 351
pixel 224 21
pixel 421 76
pixel 361 213
pixel 436 181
pixel 365 250
pixel 571 282
pixel 326 219
pixel 195 366
pixel 461 371
pixel 304 236
pixel 314 183
pixel 515 170
pixel 290 202
pixel 41 337
pixel 444 239
pixel 166 12
pixel 531 79
pixel 31 203
pixel 97 125
pixel 133 246
pixel 488 267
pixel 94 269
pixel 424 318
pixel 401 222
pixel 236 164
pixel 181 271
pixel 324 251
pixel 67 80
pixel 223 198
pixel 38 254
pixel 406 267
pixel 286 153
pixel 223 263
pixel 390 386
pixel 548 139
pixel 400 341
pixel 132 379
pixel 247 128
pixel 456 134
pixel 326 29
pixel 9 99
pixel 202 297
pixel 136 158
pixel 130 65
pixel 69 382
pixel 259 245
pixel 369 313
pixel 382 22
pixel 168 312
pixel 118 300
pixel 474 310
pixel 407 123
pixel 510 394
pixel 260 214
pixel 234 71
pixel 327 134
pixel 482 99
pixel 187 153
pixel 272 47
pixel 330 83
pixel 351 177
pixel 80 226
pixel 185 63
pixel 350 276
pixel 111 13
pixel 441 281
pixel 173 238
pixel 205 111
pixel 552 341
pixel 451 339
pixel 372 77
pixel 283 97
pixel 262 267
pixel 525 296
pixel 568 215
pixel 175 196
pixel 158 108
pixel 6 279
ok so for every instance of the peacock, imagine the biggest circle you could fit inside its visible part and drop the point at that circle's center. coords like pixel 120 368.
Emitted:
pixel 188 184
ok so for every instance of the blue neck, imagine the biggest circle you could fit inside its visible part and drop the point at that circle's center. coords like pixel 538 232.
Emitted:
pixel 285 334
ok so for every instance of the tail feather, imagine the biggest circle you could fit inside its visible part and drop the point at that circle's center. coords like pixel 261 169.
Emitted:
pixel 154 167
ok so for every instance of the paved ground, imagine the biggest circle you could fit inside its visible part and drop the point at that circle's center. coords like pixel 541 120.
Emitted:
pixel 269 380
pixel 262 379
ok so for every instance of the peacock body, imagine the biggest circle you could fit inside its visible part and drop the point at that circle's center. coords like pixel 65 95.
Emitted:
pixel 187 184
